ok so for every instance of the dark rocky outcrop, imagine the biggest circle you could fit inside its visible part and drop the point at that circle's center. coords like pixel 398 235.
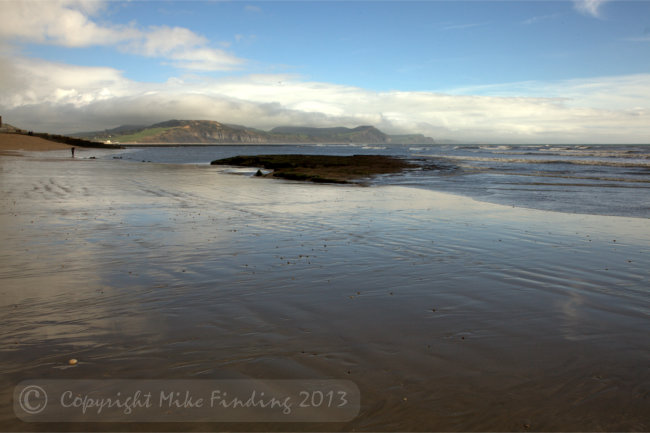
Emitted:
pixel 320 168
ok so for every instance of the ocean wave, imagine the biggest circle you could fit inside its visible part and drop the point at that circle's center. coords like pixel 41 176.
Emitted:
pixel 336 145
pixel 636 164
pixel 619 155
pixel 578 177
pixel 500 147
pixel 637 154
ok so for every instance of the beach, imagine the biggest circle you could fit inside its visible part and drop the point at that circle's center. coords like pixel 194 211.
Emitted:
pixel 12 144
pixel 448 313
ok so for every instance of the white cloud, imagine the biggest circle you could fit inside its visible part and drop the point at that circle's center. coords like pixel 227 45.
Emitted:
pixel 606 93
pixel 589 7
pixel 203 59
pixel 187 49
pixel 31 82
pixel 63 98
pixel 540 18
pixel 65 22
pixel 70 23
pixel 160 41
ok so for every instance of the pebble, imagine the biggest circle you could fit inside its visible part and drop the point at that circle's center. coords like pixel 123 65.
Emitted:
pixel 72 361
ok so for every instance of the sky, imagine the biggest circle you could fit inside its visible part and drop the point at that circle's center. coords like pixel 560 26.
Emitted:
pixel 538 72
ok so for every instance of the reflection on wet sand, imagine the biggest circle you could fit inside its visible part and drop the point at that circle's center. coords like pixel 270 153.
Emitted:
pixel 449 314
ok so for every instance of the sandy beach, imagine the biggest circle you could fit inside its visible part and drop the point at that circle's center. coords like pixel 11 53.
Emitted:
pixel 448 313
pixel 11 143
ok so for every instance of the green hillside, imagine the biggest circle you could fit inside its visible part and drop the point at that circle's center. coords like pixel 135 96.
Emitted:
pixel 141 135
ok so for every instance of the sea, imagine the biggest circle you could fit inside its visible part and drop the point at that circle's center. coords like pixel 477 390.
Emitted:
pixel 583 179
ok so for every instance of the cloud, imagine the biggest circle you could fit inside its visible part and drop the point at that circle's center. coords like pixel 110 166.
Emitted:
pixel 70 23
pixel 254 9
pixel 160 41
pixel 204 59
pixel 26 82
pixel 57 97
pixel 185 48
pixel 66 23
pixel 589 7
pixel 540 18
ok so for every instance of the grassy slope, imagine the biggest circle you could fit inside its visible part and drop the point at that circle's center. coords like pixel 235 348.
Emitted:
pixel 149 132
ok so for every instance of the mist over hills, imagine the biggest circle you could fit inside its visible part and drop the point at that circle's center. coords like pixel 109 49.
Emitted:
pixel 212 132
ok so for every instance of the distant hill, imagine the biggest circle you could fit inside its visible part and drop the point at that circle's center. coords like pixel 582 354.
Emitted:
pixel 360 134
pixel 211 132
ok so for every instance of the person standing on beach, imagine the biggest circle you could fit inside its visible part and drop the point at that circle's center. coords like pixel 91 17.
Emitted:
pixel 72 150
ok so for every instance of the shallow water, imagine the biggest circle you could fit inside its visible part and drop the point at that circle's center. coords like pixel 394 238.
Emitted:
pixel 589 179
pixel 449 314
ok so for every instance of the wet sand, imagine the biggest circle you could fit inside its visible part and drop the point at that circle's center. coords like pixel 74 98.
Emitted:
pixel 448 313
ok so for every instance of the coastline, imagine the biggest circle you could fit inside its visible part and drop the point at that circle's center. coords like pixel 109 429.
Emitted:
pixel 12 144
pixel 450 314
